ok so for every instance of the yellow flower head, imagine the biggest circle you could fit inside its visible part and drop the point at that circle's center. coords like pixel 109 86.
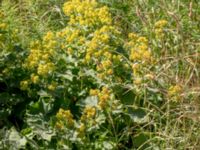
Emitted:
pixel 174 90
pixel 94 92
pixel 90 111
pixel 49 36
pixel 160 24
pixel 24 85
pixel 3 26
pixel 34 78
pixel 86 13
pixel 65 116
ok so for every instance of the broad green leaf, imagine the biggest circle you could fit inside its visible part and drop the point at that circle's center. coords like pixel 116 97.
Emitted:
pixel 16 140
pixel 140 140
pixel 89 101
pixel 138 115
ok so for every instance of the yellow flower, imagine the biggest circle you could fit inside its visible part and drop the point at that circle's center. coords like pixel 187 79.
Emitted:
pixel 160 24
pixel 134 56
pixel 109 71
pixel 132 36
pixel 44 69
pixel 159 28
pixel 24 85
pixel 106 63
pixel 174 90
pixel 52 87
pixel 90 111
pixel 70 50
pixel 82 128
pixel 104 97
pixel 101 76
pixel 94 92
pixel 142 40
pixel 59 125
pixel 87 13
pixel 65 116
pixel 174 93
pixel 49 36
pixel 45 57
pixel 34 78
pixel 97 54
pixel 108 55
pixel 105 90
pixel 147 55
pixel 87 58
pixel 3 26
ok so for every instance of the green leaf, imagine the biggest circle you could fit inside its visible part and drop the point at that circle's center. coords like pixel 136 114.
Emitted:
pixel 89 101
pixel 26 131
pixel 43 93
pixel 40 126
pixel 140 140
pixel 16 140
pixel 68 75
pixel 126 95
pixel 138 115
pixel 107 145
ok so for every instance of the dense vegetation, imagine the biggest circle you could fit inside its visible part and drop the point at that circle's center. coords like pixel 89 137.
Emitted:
pixel 99 74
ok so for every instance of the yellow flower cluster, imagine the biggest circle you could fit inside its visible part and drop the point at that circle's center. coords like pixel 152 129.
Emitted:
pixel 159 28
pixel 64 117
pixel 139 51
pixel 99 44
pixel 34 78
pixel 73 35
pixel 44 69
pixel 174 92
pixel 49 42
pixel 141 57
pixel 89 36
pixel 40 59
pixel 94 92
pixel 24 85
pixel 160 24
pixel 52 86
pixel 105 68
pixel 86 13
pixel 3 26
pixel 49 36
pixel 86 119
pixel 104 96
pixel 71 40
pixel 88 113
pixel 70 35
pixel 96 27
